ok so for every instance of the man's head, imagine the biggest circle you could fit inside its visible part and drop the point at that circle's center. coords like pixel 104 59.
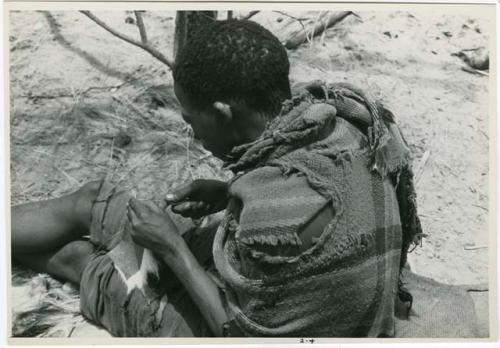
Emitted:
pixel 230 79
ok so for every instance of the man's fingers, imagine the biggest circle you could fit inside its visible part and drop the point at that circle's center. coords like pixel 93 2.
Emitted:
pixel 185 206
pixel 180 193
pixel 182 207
pixel 132 216
pixel 142 207
pixel 152 206
pixel 191 209
pixel 135 204
pixel 199 206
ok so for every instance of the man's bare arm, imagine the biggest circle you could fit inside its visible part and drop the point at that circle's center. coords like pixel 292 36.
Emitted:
pixel 154 230
pixel 204 292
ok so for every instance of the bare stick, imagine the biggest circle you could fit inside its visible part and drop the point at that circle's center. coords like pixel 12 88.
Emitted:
pixel 421 165
pixel 475 71
pixel 249 15
pixel 475 247
pixel 297 39
pixel 142 28
pixel 480 206
pixel 151 50
pixel 301 22
pixel 482 287
pixel 62 94
pixel 300 19
pixel 229 14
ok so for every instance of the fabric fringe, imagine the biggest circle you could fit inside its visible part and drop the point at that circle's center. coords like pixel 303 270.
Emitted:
pixel 273 239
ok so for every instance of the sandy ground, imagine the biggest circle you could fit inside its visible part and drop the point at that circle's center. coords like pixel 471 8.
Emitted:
pixel 85 104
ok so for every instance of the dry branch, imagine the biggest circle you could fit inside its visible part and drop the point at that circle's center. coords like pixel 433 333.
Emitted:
pixel 475 247
pixel 142 28
pixel 151 50
pixel 421 165
pixel 249 15
pixel 474 71
pixel 476 287
pixel 61 93
pixel 296 39
pixel 299 19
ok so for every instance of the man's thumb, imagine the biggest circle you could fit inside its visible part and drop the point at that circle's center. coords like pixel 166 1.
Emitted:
pixel 179 194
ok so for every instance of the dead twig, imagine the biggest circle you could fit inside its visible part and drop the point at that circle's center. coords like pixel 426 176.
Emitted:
pixel 301 22
pixel 483 133
pixel 299 19
pixel 142 28
pixel 475 247
pixel 480 206
pixel 296 39
pixel 421 165
pixel 249 15
pixel 483 287
pixel 357 16
pixel 229 15
pixel 146 47
pixel 474 71
pixel 69 95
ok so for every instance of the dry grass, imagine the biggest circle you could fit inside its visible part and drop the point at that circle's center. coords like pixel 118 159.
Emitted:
pixel 128 140
pixel 136 141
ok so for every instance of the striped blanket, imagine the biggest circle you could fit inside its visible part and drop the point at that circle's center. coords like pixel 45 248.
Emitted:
pixel 344 285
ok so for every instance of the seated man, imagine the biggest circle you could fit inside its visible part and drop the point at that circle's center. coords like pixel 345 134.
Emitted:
pixel 315 231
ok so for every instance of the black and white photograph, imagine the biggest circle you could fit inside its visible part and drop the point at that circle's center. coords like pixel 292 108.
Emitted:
pixel 305 173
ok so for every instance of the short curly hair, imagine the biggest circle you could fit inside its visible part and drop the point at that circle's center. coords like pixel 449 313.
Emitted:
pixel 235 60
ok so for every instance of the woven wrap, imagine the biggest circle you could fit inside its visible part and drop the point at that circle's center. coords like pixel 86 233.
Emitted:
pixel 344 285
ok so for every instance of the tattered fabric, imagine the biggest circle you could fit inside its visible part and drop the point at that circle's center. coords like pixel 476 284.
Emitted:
pixel 346 283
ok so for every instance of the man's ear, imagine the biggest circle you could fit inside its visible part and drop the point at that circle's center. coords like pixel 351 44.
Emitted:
pixel 224 109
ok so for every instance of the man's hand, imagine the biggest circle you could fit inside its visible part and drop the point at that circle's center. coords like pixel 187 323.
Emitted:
pixel 199 198
pixel 152 228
